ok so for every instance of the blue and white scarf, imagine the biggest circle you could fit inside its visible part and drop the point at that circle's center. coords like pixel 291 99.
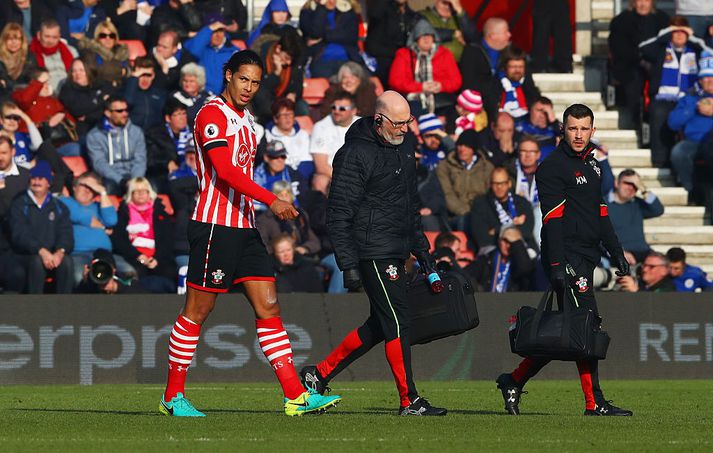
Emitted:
pixel 263 177
pixel 524 188
pixel 513 101
pixel 501 274
pixel 506 217
pixel 677 75
pixel 180 141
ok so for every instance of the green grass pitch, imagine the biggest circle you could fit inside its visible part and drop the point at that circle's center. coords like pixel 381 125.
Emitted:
pixel 668 416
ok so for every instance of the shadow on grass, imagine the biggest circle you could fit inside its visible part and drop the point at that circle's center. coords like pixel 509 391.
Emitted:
pixel 383 410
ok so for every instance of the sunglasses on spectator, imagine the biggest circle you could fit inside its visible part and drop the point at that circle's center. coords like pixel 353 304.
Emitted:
pixel 12 117
pixel 107 35
pixel 342 108
pixel 277 157
pixel 119 110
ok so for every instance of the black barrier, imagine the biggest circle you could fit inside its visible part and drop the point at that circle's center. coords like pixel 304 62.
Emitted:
pixel 123 339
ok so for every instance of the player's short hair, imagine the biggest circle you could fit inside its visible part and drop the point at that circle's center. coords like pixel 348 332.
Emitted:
pixel 577 111
pixel 530 139
pixel 172 106
pixel 345 95
pixel 676 255
pixel 544 100
pixel 626 172
pixel 511 53
pixel 112 99
pixel 49 23
pixel 144 62
pixel 173 34
pixel 244 57
pixel 6 139
pixel 282 103
pixel 664 259
pixel 445 240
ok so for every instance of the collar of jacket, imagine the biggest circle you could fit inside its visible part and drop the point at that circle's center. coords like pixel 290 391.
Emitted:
pixel 584 155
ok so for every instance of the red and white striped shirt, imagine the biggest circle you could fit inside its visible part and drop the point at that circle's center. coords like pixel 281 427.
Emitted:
pixel 226 147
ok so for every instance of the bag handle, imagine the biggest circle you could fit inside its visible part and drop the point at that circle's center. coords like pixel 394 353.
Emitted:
pixel 545 305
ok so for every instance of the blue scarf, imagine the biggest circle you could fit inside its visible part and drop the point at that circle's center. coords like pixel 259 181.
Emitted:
pixel 501 274
pixel 677 74
pixel 23 153
pixel 180 141
pixel 506 218
pixel 513 101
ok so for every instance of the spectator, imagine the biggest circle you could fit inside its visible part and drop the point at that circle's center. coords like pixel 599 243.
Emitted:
pixel 528 158
pixel 293 273
pixel 181 16
pixel 331 34
pixel 463 175
pixel 425 72
pixel 169 57
pixel 166 144
pixel 499 141
pixel 455 29
pixel 639 22
pixel 28 13
pixel 144 97
pixel 131 17
pixel 274 169
pixel 183 192
pixel 436 143
pixel 144 234
pixel 686 277
pixel 353 79
pixel 306 242
pixel 212 49
pixel 52 53
pixel 542 125
pixel 42 233
pixel 26 144
pixel 518 90
pixel 479 62
pixel 119 283
pixel 508 267
pixel 233 12
pixel 433 211
pixel 672 61
pixel 92 221
pixel 699 14
pixel 13 181
pixel 329 132
pixel 296 140
pixel 44 109
pixel 497 209
pixel 693 116
pixel 78 19
pixel 283 77
pixel 192 93
pixel 275 21
pixel 655 276
pixel 469 106
pixel 16 62
pixel 550 18
pixel 390 22
pixel 116 147
pixel 629 204
pixel 111 56
pixel 83 96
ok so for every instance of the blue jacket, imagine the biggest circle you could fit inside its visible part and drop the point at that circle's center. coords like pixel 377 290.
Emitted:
pixel 146 106
pixel 693 277
pixel 628 220
pixel 87 238
pixel 36 227
pixel 685 116
pixel 210 58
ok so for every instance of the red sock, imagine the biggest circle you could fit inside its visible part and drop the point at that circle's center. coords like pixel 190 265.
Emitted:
pixel 585 378
pixel 350 343
pixel 395 357
pixel 521 370
pixel 275 345
pixel 181 346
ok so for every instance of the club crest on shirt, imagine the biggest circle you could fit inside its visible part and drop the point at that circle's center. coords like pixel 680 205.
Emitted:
pixel 242 156
pixel 218 277
pixel 393 272
pixel 582 285
pixel 210 130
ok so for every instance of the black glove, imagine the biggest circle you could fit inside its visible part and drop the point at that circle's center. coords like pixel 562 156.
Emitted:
pixel 425 263
pixel 620 262
pixel 352 279
pixel 558 279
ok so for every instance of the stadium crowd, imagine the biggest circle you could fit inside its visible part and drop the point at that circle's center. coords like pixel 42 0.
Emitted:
pixel 98 163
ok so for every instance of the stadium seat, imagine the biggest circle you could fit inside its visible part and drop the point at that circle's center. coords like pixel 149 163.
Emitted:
pixel 136 48
pixel 313 90
pixel 464 253
pixel 305 123
pixel 166 203
pixel 378 87
pixel 115 200
pixel 431 236
pixel 76 163
pixel 240 44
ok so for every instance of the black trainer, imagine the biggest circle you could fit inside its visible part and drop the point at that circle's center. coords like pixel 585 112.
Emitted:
pixel 311 380
pixel 421 406
pixel 511 393
pixel 607 409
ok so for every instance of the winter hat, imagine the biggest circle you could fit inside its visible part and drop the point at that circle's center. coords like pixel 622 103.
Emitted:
pixel 42 170
pixel 705 65
pixel 422 27
pixel 471 100
pixel 429 122
pixel 468 138
pixel 275 149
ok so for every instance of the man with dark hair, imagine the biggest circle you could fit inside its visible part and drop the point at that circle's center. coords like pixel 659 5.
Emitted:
pixel 296 140
pixel 374 172
pixel 575 223
pixel 686 277
pixel 145 98
pixel 518 90
pixel 166 144
pixel 225 246
pixel 329 132
pixel 542 125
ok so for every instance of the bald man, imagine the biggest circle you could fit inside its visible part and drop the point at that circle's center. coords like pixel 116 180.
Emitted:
pixel 374 223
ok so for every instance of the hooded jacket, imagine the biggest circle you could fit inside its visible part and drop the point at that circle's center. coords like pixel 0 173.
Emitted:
pixel 118 153
pixel 462 185
pixel 211 58
pixel 373 209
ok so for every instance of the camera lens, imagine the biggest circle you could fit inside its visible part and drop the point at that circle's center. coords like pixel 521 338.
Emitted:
pixel 100 272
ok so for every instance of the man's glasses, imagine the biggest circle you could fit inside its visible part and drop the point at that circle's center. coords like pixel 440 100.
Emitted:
pixel 649 266
pixel 12 117
pixel 119 110
pixel 499 183
pixel 106 35
pixel 342 108
pixel 277 157
pixel 399 124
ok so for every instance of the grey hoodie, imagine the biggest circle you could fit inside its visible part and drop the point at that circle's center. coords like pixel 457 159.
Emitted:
pixel 128 152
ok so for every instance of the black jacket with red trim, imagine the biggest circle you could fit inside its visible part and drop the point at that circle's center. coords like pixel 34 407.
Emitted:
pixel 574 215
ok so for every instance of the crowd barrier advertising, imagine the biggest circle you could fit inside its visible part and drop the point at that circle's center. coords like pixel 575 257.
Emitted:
pixel 123 339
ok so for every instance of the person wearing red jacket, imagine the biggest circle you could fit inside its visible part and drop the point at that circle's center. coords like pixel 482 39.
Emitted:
pixel 425 72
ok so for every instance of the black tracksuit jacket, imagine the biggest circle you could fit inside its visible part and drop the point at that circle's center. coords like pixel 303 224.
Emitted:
pixel 373 208
pixel 575 218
